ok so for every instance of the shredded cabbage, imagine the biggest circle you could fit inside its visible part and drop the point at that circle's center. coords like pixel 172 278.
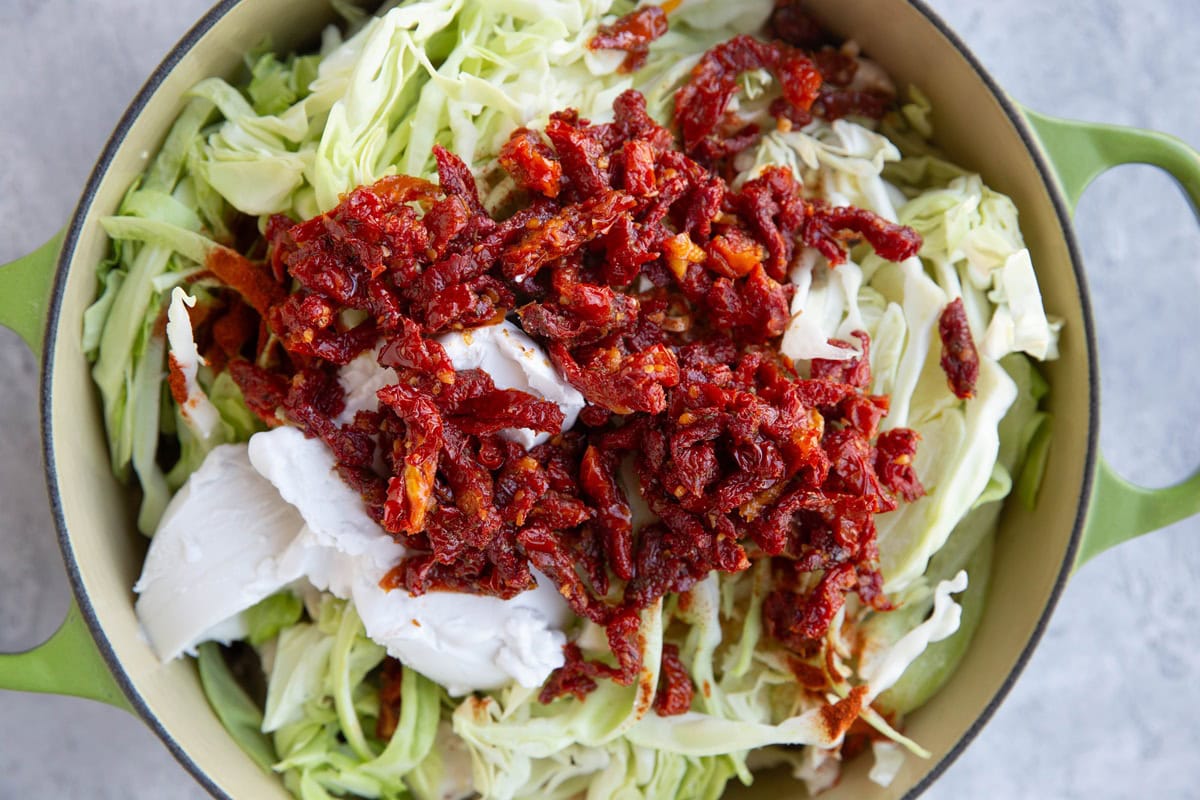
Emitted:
pixel 321 712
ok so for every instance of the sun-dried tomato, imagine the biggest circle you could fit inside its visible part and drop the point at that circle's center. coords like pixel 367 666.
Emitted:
pixel 306 326
pixel 854 371
pixel 574 677
pixel 772 206
pixel 960 359
pixel 632 33
pixel 793 25
pixel 836 67
pixel 837 103
pixel 507 408
pixel 369 484
pixel 799 622
pixel 701 103
pixel 372 231
pixel 754 309
pixel 408 349
pixel 498 571
pixel 551 556
pixel 251 280
pixel 263 391
pixel 563 234
pixel 625 642
pixel 457 180
pixel 445 221
pixel 825 228
pixel 531 163
pixel 313 398
pixel 598 480
pixel 627 247
pixel 788 116
pixel 713 150
pixel 733 253
pixel 632 121
pixel 894 462
pixel 636 164
pixel 582 154
pixel 410 491
pixel 585 314
pixel 863 413
pixel 621 383
pixel 852 468
pixel 675 688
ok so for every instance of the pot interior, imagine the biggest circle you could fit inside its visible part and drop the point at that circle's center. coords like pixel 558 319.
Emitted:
pixel 104 552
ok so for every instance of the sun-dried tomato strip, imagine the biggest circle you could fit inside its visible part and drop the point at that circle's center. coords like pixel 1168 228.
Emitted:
pixel 793 25
pixel 532 164
pixel 894 462
pixel 852 468
pixel 854 371
pixel 563 234
pixel 507 408
pixel 252 280
pixel 836 67
pixel 457 180
pixel 675 688
pixel 400 190
pixel 626 643
pixel 584 314
pixel 754 309
pixel 410 350
pixel 410 491
pixel 960 359
pixel 632 33
pixel 700 104
pixel 263 391
pixel 548 554
pixel 305 325
pixel 598 480
pixel 582 154
pixel 621 383
pixel 799 621
pixel 773 208
pixel 824 223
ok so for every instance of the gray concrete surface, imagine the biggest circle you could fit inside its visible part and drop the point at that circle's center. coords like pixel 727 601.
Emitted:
pixel 1107 707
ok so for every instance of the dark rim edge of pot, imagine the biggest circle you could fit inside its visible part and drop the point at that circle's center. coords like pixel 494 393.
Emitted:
pixel 117 139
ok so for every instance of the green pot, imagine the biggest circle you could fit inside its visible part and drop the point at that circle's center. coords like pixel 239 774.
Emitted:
pixel 1044 164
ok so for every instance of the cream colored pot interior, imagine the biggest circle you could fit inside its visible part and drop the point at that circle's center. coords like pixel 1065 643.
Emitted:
pixel 1031 547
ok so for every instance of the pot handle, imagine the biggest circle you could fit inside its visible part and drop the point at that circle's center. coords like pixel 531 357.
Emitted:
pixel 68 662
pixel 25 286
pixel 1079 152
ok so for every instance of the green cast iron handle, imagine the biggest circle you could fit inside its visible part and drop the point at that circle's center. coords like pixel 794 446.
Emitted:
pixel 1080 152
pixel 68 662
